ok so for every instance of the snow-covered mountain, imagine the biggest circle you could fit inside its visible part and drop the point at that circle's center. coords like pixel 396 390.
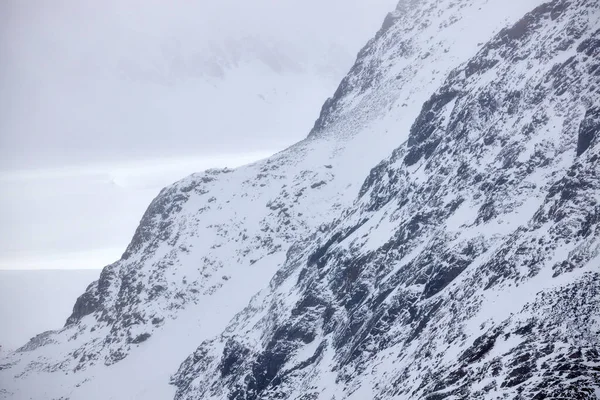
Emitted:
pixel 465 265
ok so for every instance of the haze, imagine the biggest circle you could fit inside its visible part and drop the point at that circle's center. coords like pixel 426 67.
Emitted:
pixel 104 103
pixel 96 81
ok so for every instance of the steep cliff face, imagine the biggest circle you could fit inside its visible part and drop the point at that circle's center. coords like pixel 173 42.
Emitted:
pixel 469 267
pixel 465 265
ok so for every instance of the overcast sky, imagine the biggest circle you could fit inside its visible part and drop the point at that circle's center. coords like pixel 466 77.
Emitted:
pixel 86 80
pixel 105 102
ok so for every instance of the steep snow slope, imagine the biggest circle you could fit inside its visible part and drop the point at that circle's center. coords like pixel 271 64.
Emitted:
pixel 469 268
pixel 209 242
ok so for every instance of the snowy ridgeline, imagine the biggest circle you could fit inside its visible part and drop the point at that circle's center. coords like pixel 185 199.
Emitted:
pixel 161 90
pixel 465 265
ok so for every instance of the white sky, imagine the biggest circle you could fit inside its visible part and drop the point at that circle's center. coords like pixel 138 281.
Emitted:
pixel 104 103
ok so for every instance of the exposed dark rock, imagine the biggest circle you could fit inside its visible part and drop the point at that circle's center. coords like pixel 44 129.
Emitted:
pixel 589 130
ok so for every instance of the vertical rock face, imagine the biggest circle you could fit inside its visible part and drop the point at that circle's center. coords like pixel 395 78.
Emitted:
pixel 590 128
pixel 465 265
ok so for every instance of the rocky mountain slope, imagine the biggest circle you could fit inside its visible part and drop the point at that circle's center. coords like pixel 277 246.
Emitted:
pixel 464 266
pixel 469 266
